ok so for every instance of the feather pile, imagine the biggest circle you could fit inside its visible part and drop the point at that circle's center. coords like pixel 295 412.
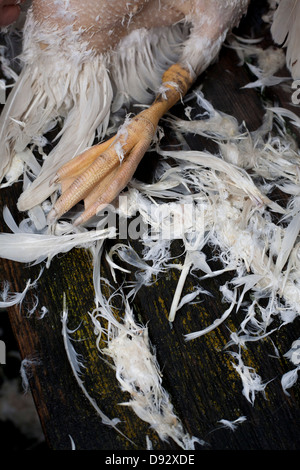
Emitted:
pixel 138 372
pixel 223 200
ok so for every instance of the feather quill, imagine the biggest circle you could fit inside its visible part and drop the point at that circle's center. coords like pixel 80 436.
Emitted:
pixel 183 275
pixel 215 324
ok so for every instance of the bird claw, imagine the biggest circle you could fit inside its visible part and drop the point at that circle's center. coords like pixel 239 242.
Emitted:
pixel 99 174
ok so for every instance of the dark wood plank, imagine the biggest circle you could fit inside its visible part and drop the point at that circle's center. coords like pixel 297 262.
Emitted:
pixel 199 375
pixel 60 403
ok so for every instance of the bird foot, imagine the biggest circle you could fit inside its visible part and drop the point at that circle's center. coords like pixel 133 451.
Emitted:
pixel 100 173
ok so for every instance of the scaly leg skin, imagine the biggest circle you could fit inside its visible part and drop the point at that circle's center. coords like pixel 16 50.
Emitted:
pixel 98 175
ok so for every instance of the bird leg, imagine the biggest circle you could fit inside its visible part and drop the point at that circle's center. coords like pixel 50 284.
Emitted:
pixel 99 174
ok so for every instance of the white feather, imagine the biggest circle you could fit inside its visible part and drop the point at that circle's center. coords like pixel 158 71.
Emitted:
pixel 289 379
pixel 238 177
pixel 252 382
pixel 77 366
pixel 215 324
pixel 34 247
pixel 176 298
pixel 138 374
pixel 285 31
pixel 25 370
pixel 232 425
pixel 10 299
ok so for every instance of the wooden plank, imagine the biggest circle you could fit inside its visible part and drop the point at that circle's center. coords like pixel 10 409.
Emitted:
pixel 199 376
pixel 61 405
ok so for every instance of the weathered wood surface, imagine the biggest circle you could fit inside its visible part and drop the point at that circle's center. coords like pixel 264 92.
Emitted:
pixel 199 376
